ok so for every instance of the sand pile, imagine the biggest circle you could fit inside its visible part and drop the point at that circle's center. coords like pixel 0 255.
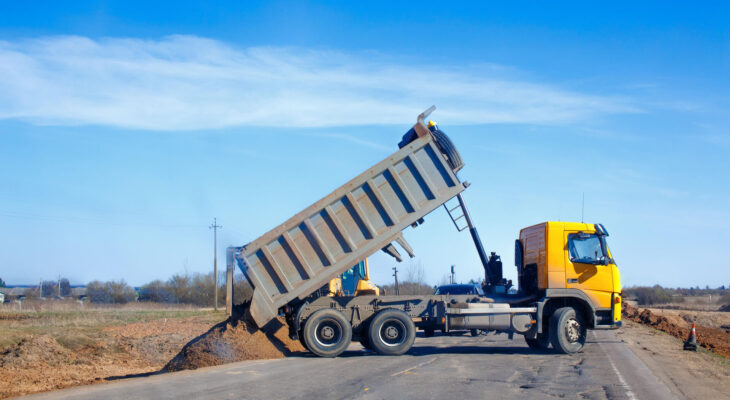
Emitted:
pixel 38 350
pixel 713 339
pixel 45 362
pixel 157 341
pixel 236 339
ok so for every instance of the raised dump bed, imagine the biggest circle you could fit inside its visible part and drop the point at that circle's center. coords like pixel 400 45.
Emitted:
pixel 356 220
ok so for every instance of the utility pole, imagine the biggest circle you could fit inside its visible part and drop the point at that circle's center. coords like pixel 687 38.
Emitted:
pixel 395 274
pixel 215 227
pixel 452 274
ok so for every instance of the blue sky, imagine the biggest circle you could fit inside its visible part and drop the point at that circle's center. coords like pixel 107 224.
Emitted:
pixel 125 127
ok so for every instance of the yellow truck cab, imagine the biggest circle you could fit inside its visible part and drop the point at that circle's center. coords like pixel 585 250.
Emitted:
pixel 569 264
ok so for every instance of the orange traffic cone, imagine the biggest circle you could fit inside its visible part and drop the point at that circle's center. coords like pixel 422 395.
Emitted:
pixel 691 343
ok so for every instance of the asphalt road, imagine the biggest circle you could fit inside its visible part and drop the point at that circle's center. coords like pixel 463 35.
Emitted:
pixel 443 367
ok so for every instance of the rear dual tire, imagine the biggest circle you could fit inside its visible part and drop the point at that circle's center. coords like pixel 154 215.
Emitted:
pixel 327 333
pixel 391 332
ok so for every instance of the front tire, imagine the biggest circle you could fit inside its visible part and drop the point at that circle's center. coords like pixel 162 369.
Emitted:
pixel 391 332
pixel 327 333
pixel 567 331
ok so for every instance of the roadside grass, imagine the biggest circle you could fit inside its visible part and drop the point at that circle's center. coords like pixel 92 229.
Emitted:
pixel 75 329
pixel 720 359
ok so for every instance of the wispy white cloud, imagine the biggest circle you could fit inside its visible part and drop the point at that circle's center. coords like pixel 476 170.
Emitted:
pixel 187 82
pixel 356 140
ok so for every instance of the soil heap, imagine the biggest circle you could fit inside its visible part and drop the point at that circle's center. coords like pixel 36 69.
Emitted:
pixel 38 350
pixel 236 339
pixel 713 339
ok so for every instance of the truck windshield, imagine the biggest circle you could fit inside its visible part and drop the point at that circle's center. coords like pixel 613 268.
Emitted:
pixel 585 249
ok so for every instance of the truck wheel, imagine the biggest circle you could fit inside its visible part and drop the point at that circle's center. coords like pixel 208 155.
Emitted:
pixel 541 343
pixel 391 332
pixel 327 333
pixel 567 331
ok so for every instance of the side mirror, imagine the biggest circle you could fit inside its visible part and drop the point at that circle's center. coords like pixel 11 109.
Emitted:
pixel 605 261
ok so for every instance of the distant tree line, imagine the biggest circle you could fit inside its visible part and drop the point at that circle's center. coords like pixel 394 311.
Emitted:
pixel 656 294
pixel 195 289
pixel 651 295
pixel 411 282
pixel 111 292
pixel 50 289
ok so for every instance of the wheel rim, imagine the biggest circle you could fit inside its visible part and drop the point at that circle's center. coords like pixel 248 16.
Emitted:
pixel 392 332
pixel 573 330
pixel 328 333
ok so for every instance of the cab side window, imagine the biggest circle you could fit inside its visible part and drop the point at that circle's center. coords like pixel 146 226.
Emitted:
pixel 585 248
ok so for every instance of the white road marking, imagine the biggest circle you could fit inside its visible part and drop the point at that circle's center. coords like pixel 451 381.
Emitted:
pixel 646 384
pixel 621 379
pixel 405 371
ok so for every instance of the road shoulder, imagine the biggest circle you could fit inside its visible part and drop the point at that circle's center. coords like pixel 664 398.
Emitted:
pixel 689 375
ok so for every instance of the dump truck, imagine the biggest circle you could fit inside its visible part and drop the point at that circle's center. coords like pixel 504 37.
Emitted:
pixel 568 281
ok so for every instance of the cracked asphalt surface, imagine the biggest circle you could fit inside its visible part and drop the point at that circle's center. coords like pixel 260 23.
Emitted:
pixel 488 366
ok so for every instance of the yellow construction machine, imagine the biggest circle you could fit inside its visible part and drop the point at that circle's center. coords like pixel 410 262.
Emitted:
pixel 354 282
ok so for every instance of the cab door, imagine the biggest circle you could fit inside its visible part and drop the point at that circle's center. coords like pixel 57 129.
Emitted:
pixel 587 267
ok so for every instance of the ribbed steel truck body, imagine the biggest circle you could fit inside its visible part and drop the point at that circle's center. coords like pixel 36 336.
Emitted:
pixel 356 220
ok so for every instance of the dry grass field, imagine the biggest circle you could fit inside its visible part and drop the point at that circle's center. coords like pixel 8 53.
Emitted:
pixel 51 345
pixel 696 303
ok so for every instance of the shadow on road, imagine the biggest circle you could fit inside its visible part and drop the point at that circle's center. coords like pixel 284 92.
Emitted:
pixel 421 350
pixel 142 375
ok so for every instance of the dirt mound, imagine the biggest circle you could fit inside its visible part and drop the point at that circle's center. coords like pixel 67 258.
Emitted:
pixel 236 339
pixel 713 339
pixel 35 351
pixel 156 341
